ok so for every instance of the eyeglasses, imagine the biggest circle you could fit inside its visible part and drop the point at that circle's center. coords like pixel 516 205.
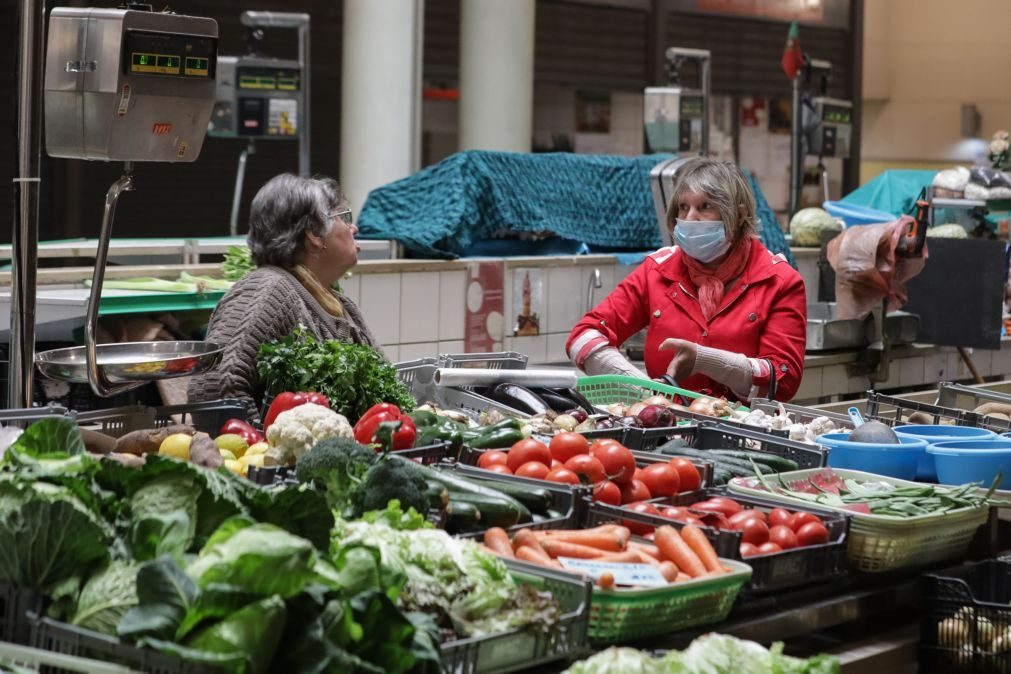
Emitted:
pixel 345 216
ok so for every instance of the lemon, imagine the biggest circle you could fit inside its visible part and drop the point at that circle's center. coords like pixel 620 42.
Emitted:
pixel 226 455
pixel 235 467
pixel 177 446
pixel 257 448
pixel 252 460
pixel 234 443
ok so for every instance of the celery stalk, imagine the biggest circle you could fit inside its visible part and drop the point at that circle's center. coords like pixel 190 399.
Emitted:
pixel 205 283
pixel 148 283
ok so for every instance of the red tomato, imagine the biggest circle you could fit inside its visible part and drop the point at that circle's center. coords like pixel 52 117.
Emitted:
pixel 534 469
pixel 688 473
pixel 562 475
pixel 499 468
pixel 675 512
pixel 634 491
pixel 779 517
pixel 800 519
pixel 661 479
pixel 526 451
pixel 748 550
pixel 607 492
pixel 719 504
pixel 566 445
pixel 618 462
pixel 707 506
pixel 747 515
pixel 769 548
pixel 604 441
pixel 637 475
pixel 488 459
pixel 783 537
pixel 753 531
pixel 812 533
pixel 556 464
pixel 643 509
pixel 584 464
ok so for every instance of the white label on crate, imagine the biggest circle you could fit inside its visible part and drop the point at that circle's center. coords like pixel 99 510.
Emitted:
pixel 624 573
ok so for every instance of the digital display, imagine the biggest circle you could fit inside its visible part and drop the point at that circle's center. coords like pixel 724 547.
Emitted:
pixel 177 55
pixel 837 115
pixel 268 79
pixel 197 66
pixel 691 107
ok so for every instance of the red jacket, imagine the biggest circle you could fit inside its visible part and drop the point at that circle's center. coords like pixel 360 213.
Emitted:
pixel 763 317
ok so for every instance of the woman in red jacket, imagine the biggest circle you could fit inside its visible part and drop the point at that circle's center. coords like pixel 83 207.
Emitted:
pixel 722 314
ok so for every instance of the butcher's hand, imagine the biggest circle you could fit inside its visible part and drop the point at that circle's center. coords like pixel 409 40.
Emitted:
pixel 682 365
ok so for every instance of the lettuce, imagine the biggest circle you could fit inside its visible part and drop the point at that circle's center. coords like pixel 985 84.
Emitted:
pixel 107 597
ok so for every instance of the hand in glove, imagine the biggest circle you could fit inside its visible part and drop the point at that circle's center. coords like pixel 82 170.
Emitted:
pixel 682 365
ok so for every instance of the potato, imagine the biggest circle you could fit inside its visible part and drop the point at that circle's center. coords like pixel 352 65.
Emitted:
pixel 148 440
pixel 98 443
pixel 203 452
pixel 987 409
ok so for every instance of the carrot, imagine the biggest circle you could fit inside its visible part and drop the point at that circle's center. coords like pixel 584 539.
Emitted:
pixel 528 554
pixel 669 571
pixel 698 542
pixel 497 539
pixel 682 577
pixel 558 548
pixel 627 557
pixel 606 580
pixel 525 537
pixel 674 548
pixel 645 549
pixel 610 540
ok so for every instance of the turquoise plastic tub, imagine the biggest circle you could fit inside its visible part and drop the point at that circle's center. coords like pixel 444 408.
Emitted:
pixel 973 461
pixel 852 214
pixel 897 461
pixel 926 470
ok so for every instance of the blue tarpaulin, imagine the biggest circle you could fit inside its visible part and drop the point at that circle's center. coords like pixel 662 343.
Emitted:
pixel 893 191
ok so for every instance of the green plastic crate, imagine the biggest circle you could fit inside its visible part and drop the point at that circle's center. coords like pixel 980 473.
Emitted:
pixel 607 389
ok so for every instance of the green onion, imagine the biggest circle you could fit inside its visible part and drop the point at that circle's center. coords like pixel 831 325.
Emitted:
pixel 147 283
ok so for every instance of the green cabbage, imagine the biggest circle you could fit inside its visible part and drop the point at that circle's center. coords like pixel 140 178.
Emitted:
pixel 949 231
pixel 807 225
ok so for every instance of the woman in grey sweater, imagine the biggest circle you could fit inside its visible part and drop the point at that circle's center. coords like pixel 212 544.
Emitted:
pixel 301 236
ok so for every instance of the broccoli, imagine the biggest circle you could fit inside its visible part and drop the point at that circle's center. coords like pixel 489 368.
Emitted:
pixel 340 465
pixel 391 479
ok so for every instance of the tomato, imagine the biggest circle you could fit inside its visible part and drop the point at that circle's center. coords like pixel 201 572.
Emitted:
pixel 783 537
pixel 779 517
pixel 526 451
pixel 637 475
pixel 753 531
pixel 584 464
pixel 499 468
pixel 812 533
pixel 719 504
pixel 604 442
pixel 747 515
pixel 643 509
pixel 489 459
pixel 556 464
pixel 675 512
pixel 688 473
pixel 769 548
pixel 566 445
pixel 661 479
pixel 534 469
pixel 618 462
pixel 800 519
pixel 607 492
pixel 748 550
pixel 563 476
pixel 634 491
pixel 707 506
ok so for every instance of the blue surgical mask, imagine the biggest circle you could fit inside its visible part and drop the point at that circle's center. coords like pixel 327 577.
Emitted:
pixel 704 240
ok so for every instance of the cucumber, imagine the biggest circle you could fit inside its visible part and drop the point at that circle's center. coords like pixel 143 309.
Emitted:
pixel 781 464
pixel 461 515
pixel 721 475
pixel 458 486
pixel 535 499
pixel 437 495
pixel 739 467
pixel 494 512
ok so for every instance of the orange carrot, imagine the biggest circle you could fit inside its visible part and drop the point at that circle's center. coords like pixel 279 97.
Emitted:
pixel 669 571
pixel 698 542
pixel 528 554
pixel 627 557
pixel 682 577
pixel 558 548
pixel 674 548
pixel 609 541
pixel 525 537
pixel 498 540
pixel 606 580
pixel 645 549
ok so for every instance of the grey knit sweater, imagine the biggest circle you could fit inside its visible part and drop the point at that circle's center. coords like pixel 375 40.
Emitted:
pixel 264 305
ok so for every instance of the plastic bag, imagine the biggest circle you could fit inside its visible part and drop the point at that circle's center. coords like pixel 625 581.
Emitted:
pixel 988 178
pixel 867 269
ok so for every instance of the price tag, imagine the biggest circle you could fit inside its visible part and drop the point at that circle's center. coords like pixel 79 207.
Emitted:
pixel 624 574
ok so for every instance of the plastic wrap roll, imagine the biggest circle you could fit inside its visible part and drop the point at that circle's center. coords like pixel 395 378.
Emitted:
pixel 467 376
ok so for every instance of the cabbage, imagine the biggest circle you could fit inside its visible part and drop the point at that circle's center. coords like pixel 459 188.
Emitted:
pixel 807 225
pixel 947 232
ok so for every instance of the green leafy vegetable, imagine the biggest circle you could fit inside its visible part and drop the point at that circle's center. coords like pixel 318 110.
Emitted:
pixel 107 597
pixel 57 436
pixel 237 263
pixel 215 601
pixel 164 595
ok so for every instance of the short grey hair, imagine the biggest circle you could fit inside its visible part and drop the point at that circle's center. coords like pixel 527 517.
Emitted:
pixel 724 184
pixel 285 210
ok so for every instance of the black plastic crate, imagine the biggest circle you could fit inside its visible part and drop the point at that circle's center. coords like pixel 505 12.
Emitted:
pixel 207 417
pixel 770 573
pixel 965 609
pixel 721 436
pixel 891 410
pixel 58 637
pixel 648 439
pixel 15 605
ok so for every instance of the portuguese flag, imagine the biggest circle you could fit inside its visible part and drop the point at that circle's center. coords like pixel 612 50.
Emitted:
pixel 793 58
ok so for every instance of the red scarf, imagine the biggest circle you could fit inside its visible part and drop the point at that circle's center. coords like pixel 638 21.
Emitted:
pixel 711 282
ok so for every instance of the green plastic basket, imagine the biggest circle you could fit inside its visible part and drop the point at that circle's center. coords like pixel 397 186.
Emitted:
pixel 607 389
pixel 622 615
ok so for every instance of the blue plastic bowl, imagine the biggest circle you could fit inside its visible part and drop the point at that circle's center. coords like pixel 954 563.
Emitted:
pixel 892 460
pixel 973 461
pixel 852 214
pixel 926 469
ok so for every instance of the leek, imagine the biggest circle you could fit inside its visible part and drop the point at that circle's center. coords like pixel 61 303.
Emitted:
pixel 148 283
pixel 205 283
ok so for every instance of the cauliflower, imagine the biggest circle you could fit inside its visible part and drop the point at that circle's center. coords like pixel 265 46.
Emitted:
pixel 294 432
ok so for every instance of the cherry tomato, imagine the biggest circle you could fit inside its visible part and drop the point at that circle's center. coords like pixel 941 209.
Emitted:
pixel 534 469
pixel 607 492
pixel 643 509
pixel 634 491
pixel 526 451
pixel 779 517
pixel 688 474
pixel 499 468
pixel 748 550
pixel 488 459
pixel 584 464
pixel 753 531
pixel 566 445
pixel 799 519
pixel 812 533
pixel 769 548
pixel 661 479
pixel 563 476
pixel 747 515
pixel 783 537
pixel 618 462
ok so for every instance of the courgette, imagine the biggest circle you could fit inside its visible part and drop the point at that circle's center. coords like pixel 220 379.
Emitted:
pixel 780 463
pixel 495 512
pixel 460 486
pixel 537 500
pixel 437 495
pixel 462 515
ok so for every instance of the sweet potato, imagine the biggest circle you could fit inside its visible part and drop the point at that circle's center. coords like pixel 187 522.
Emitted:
pixel 203 452
pixel 148 440
pixel 98 443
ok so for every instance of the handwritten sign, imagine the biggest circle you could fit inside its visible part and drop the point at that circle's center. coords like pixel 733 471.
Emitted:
pixel 624 574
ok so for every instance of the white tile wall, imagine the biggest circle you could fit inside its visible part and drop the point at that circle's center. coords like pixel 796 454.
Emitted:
pixel 352 287
pixel 564 301
pixel 452 294
pixel 454 346
pixel 380 303
pixel 834 380
pixel 392 352
pixel 419 307
pixel 911 371
pixel 556 347
pixel 419 350
pixel 535 347
pixel 810 385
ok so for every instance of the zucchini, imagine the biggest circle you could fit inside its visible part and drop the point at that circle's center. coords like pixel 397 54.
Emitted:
pixel 536 500
pixel 495 512
pixel 458 486
pixel 781 464
pixel 722 475
pixel 739 467
pixel 461 515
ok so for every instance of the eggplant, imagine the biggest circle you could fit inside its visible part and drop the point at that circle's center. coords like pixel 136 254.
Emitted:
pixel 554 398
pixel 578 398
pixel 520 398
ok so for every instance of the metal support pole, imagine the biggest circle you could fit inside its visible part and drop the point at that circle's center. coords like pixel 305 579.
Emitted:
pixel 25 235
pixel 796 149
pixel 240 178
pixel 707 104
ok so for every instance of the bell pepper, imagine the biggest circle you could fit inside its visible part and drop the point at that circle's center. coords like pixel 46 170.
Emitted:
pixel 378 409
pixel 242 429
pixel 288 400
pixel 365 430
